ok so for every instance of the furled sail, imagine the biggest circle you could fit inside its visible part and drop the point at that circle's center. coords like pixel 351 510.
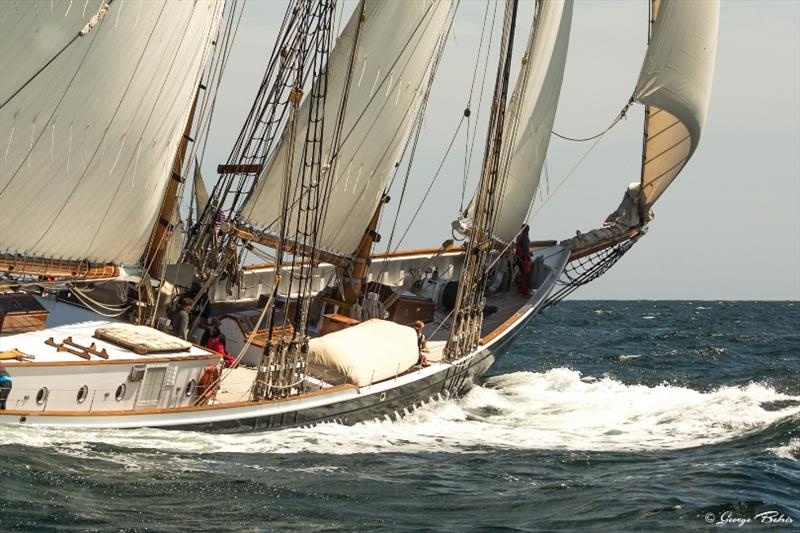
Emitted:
pixel 200 198
pixel 675 84
pixel 93 104
pixel 532 112
pixel 396 47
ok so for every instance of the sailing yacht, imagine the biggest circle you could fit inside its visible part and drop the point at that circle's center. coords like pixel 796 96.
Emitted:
pixel 103 107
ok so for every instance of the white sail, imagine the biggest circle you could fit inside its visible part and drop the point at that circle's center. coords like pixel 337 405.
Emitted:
pixel 396 47
pixel 531 114
pixel 675 82
pixel 94 99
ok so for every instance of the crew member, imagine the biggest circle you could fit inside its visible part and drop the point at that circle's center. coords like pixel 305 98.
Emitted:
pixel 422 343
pixel 180 323
pixel 214 340
pixel 523 254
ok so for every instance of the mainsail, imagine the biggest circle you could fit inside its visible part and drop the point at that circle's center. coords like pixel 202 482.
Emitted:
pixel 532 111
pixel 675 84
pixel 397 44
pixel 93 104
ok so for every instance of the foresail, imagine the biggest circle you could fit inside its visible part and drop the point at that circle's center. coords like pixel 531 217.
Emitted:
pixel 675 84
pixel 94 98
pixel 532 112
pixel 396 47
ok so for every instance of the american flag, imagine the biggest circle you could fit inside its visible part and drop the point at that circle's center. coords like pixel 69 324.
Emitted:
pixel 222 217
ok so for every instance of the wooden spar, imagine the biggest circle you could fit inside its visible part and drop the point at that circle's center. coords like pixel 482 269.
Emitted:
pixel 239 169
pixel 408 253
pixel 578 253
pixel 37 266
pixel 159 238
pixel 288 246
pixel 354 285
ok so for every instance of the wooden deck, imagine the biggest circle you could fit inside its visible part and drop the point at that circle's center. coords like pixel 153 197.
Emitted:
pixel 507 304
pixel 237 382
pixel 235 385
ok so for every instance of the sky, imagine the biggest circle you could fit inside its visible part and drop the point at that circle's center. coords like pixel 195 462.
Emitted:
pixel 727 229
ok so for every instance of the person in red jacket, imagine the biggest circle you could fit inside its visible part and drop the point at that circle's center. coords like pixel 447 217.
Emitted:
pixel 213 339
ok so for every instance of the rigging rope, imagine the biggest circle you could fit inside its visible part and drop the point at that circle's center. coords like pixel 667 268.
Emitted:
pixel 614 122
pixel 85 300
pixel 419 120
pixel 564 180
pixel 471 146
pixel 464 334
pixel 584 270
pixel 94 21
pixel 418 130
pixel 430 185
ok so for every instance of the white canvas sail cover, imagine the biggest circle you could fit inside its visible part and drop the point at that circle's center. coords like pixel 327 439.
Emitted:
pixel 675 82
pixel 531 115
pixel 365 353
pixel 396 47
pixel 87 144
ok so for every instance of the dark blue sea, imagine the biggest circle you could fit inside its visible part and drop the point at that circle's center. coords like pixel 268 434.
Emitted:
pixel 612 416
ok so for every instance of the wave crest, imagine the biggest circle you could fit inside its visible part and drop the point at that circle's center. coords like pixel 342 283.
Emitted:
pixel 557 409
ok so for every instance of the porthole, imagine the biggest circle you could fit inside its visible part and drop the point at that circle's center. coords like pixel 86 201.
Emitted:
pixel 188 390
pixel 41 396
pixel 120 394
pixel 383 395
pixel 83 393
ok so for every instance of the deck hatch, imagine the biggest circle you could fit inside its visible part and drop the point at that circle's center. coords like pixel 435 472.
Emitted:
pixel 21 312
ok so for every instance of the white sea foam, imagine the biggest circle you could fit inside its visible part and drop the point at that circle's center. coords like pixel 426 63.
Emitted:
pixel 789 451
pixel 522 410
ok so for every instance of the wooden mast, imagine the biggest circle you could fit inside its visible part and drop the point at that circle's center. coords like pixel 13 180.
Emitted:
pixel 159 238
pixel 355 283
pixel 162 231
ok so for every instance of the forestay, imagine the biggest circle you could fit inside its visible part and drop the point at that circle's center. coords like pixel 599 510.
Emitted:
pixel 675 82
pixel 396 47
pixel 532 112
pixel 88 142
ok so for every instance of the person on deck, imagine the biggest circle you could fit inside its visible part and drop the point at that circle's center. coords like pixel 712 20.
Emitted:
pixel 523 254
pixel 180 324
pixel 5 387
pixel 422 343
pixel 214 340
pixel 373 307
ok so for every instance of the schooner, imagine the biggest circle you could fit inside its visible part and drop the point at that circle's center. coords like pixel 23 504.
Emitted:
pixel 103 106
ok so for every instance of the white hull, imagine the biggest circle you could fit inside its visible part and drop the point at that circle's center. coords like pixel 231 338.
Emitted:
pixel 342 403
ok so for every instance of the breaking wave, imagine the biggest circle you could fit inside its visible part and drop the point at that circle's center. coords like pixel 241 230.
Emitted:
pixel 558 409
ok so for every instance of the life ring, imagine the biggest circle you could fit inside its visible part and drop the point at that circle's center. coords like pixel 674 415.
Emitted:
pixel 208 384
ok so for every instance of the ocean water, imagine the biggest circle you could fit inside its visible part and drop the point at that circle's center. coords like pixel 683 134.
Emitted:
pixel 613 416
